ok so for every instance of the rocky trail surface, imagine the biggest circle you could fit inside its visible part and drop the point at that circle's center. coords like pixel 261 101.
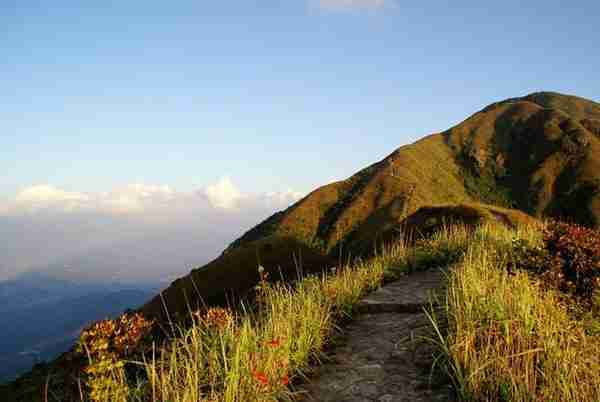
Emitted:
pixel 379 356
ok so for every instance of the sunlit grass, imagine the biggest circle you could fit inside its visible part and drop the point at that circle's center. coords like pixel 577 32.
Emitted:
pixel 501 335
pixel 507 339
pixel 258 353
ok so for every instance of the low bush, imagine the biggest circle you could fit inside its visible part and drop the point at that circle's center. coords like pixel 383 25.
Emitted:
pixel 568 260
pixel 107 344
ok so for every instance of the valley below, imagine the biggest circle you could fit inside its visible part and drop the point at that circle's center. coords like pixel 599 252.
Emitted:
pixel 43 316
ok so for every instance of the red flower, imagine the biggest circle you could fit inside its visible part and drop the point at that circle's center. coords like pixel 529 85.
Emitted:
pixel 274 343
pixel 285 380
pixel 261 377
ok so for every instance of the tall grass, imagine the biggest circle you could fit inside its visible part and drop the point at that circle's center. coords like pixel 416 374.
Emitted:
pixel 502 337
pixel 256 355
pixel 244 358
pixel 507 339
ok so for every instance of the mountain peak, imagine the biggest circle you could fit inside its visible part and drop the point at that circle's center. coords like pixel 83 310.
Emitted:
pixel 577 107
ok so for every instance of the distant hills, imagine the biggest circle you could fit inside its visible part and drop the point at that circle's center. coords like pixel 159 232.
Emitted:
pixel 42 316
pixel 538 153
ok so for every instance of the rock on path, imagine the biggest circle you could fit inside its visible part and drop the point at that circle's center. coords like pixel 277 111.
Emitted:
pixel 377 358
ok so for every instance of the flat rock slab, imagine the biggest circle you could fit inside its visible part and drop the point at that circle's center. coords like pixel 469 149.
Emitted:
pixel 409 294
pixel 380 356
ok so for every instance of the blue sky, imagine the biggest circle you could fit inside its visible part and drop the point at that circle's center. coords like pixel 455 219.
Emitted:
pixel 273 94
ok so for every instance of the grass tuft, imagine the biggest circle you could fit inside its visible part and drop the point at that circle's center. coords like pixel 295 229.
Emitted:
pixel 504 337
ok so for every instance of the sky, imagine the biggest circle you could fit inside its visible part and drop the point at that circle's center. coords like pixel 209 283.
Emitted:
pixel 118 110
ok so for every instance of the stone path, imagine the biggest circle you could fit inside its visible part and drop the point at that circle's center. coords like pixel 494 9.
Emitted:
pixel 379 357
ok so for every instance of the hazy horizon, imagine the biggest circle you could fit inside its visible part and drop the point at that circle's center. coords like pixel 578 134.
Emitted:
pixel 137 234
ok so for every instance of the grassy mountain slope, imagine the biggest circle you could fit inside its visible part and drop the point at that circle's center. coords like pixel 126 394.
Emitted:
pixel 539 153
pixel 535 153
pixel 381 194
pixel 234 273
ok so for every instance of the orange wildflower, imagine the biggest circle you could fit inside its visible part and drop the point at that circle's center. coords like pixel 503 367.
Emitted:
pixel 274 343
pixel 261 377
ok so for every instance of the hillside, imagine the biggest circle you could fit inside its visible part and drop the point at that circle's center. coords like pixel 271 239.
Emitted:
pixel 533 153
pixel 539 154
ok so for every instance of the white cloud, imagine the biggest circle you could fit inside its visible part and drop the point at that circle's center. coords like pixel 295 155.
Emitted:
pixel 223 194
pixel 282 198
pixel 137 198
pixel 137 231
pixel 43 196
pixel 127 199
pixel 352 4
pixel 134 198
pixel 46 193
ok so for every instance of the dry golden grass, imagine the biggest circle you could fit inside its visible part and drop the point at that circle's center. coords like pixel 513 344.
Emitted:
pixel 509 340
pixel 257 354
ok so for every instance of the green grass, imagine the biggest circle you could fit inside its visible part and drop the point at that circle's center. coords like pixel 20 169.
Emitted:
pixel 501 335
pixel 256 354
pixel 503 338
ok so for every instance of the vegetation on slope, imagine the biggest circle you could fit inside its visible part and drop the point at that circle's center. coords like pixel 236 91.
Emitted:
pixel 539 154
pixel 253 353
pixel 509 336
pixel 233 275
pixel 507 331
pixel 524 152
pixel 428 220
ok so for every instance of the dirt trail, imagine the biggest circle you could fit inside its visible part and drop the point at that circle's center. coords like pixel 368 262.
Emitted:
pixel 378 356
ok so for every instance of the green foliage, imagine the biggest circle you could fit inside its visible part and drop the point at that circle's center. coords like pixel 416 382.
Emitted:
pixel 430 253
pixel 574 203
pixel 486 188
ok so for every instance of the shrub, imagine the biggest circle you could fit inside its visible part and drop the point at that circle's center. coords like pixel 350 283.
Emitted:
pixel 569 260
pixel 107 343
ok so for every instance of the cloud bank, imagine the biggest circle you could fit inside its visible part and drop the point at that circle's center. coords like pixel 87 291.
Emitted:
pixel 131 233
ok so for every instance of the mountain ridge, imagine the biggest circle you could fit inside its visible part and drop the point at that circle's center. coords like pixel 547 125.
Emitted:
pixel 538 153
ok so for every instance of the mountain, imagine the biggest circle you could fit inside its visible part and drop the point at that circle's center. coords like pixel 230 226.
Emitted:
pixel 538 153
pixel 30 289
pixel 535 155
